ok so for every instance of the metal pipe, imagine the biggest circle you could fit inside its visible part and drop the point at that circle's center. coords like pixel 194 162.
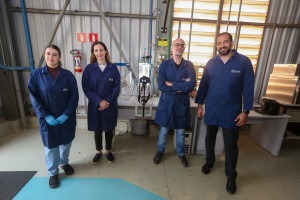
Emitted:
pixel 179 29
pixel 237 36
pixel 170 27
pixel 218 25
pixel 121 64
pixel 13 62
pixel 55 28
pixel 236 39
pixel 13 68
pixel 150 31
pixel 191 27
pixel 28 40
pixel 130 28
pixel 82 13
pixel 166 17
pixel 158 12
pixel 229 13
pixel 139 35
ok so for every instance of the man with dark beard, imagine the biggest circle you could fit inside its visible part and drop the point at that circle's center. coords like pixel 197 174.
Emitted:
pixel 227 89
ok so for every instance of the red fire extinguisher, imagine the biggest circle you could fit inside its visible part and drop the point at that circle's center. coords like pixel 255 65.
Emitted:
pixel 77 55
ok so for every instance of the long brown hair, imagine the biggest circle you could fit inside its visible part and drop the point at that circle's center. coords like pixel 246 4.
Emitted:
pixel 93 57
pixel 53 46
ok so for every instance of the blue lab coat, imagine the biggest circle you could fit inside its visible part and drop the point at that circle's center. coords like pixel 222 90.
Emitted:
pixel 54 97
pixel 98 86
pixel 173 107
pixel 226 90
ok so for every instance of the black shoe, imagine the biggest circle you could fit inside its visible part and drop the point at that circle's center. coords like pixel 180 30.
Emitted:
pixel 53 181
pixel 206 168
pixel 157 158
pixel 97 158
pixel 68 169
pixel 110 157
pixel 183 160
pixel 231 186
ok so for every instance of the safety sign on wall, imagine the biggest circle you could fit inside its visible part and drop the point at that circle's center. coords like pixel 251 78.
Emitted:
pixel 81 37
pixel 162 42
pixel 93 37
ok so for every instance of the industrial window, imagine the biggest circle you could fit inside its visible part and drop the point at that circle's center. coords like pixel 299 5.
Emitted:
pixel 197 23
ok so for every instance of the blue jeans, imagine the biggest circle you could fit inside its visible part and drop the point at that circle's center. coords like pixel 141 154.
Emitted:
pixel 57 156
pixel 162 140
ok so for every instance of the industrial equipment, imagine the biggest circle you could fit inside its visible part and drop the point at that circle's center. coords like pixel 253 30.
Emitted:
pixel 144 91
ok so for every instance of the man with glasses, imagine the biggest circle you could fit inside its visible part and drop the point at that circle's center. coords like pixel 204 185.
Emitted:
pixel 176 79
pixel 227 89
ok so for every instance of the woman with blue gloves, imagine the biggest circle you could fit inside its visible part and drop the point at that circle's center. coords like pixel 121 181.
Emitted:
pixel 54 97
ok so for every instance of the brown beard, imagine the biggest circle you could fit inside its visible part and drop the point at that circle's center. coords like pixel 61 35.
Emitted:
pixel 226 52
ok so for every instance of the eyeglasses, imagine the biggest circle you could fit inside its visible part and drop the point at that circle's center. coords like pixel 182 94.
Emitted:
pixel 177 45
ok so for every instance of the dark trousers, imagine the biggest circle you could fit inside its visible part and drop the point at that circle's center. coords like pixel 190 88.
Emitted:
pixel 230 136
pixel 108 140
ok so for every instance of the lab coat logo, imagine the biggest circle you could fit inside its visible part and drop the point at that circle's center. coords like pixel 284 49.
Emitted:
pixel 65 89
pixel 186 79
pixel 235 71
pixel 110 79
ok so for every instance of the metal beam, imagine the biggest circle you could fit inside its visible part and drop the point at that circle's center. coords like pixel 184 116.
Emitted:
pixel 238 27
pixel 12 68
pixel 98 6
pixel 83 13
pixel 55 28
pixel 218 26
pixel 27 34
pixel 209 21
pixel 191 30
pixel 12 56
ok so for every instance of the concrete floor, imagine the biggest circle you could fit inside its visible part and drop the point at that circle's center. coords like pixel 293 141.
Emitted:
pixel 261 175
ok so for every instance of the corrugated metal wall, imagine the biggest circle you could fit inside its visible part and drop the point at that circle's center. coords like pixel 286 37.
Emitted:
pixel 132 32
pixel 281 41
pixel 129 20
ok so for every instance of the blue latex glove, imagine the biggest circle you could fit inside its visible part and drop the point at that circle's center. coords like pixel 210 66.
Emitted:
pixel 51 120
pixel 61 119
